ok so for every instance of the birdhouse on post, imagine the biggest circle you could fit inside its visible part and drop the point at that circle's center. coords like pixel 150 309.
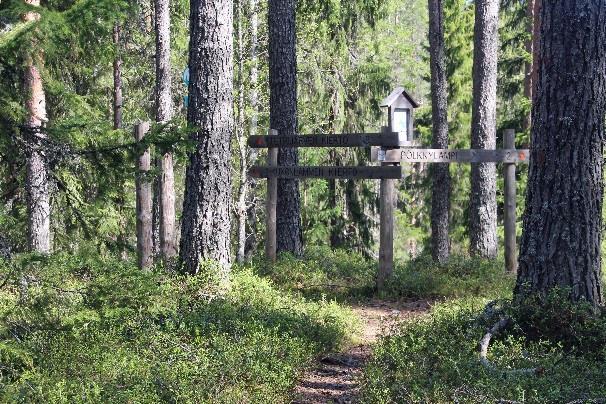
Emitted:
pixel 400 113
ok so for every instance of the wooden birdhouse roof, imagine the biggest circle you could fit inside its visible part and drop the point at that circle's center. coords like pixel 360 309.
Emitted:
pixel 395 94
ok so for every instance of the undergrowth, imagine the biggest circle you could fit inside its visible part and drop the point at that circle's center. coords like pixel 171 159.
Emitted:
pixel 345 275
pixel 435 359
pixel 86 329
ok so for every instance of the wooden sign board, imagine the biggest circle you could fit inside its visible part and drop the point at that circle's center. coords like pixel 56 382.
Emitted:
pixel 331 140
pixel 385 172
pixel 449 155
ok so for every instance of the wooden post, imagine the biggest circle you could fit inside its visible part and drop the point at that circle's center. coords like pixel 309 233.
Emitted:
pixel 143 187
pixel 271 203
pixel 386 231
pixel 511 260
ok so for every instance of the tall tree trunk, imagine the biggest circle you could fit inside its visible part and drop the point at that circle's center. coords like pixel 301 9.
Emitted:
pixel 483 206
pixel 164 112
pixel 283 117
pixel 563 219
pixel 254 116
pixel 144 206
pixel 118 101
pixel 205 233
pixel 241 137
pixel 440 201
pixel 117 107
pixel 37 177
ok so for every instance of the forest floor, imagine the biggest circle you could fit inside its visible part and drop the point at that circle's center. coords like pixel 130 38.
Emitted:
pixel 335 378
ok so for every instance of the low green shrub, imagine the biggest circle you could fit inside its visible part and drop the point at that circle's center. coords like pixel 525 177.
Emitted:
pixel 322 273
pixel 459 277
pixel 346 275
pixel 578 327
pixel 435 359
pixel 87 329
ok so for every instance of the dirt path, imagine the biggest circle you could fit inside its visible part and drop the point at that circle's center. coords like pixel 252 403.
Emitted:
pixel 335 377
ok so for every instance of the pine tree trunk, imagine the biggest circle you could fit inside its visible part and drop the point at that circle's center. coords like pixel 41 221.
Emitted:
pixel 205 233
pixel 251 218
pixel 483 205
pixel 440 201
pixel 242 147
pixel 144 205
pixel 283 117
pixel 117 80
pixel 563 220
pixel 164 112
pixel 117 107
pixel 37 175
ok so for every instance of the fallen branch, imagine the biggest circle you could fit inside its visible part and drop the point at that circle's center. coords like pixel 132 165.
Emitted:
pixel 485 342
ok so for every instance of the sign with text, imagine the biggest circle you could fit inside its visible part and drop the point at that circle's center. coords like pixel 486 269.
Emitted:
pixel 385 172
pixel 330 140
pixel 449 155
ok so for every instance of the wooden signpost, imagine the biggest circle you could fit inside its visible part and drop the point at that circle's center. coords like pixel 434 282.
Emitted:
pixel 331 140
pixel 393 146
pixel 341 172
pixel 449 156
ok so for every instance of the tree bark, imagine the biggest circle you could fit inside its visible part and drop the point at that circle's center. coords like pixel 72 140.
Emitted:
pixel 250 244
pixel 563 219
pixel 118 99
pixel 242 147
pixel 37 175
pixel 144 190
pixel 117 107
pixel 283 117
pixel 440 201
pixel 164 113
pixel 483 205
pixel 205 233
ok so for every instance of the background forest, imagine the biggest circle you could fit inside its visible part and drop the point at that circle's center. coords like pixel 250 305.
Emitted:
pixel 350 56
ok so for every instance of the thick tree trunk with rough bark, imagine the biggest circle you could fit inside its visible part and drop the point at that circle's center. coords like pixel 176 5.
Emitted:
pixel 164 112
pixel 563 219
pixel 440 201
pixel 205 232
pixel 483 204
pixel 37 175
pixel 283 117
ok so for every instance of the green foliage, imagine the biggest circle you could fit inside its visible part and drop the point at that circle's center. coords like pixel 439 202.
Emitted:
pixel 435 359
pixel 344 275
pixel 81 328
pixel 579 328
pixel 460 277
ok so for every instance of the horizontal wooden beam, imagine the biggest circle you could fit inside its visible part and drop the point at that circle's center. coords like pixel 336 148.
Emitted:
pixel 449 155
pixel 331 140
pixel 393 172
